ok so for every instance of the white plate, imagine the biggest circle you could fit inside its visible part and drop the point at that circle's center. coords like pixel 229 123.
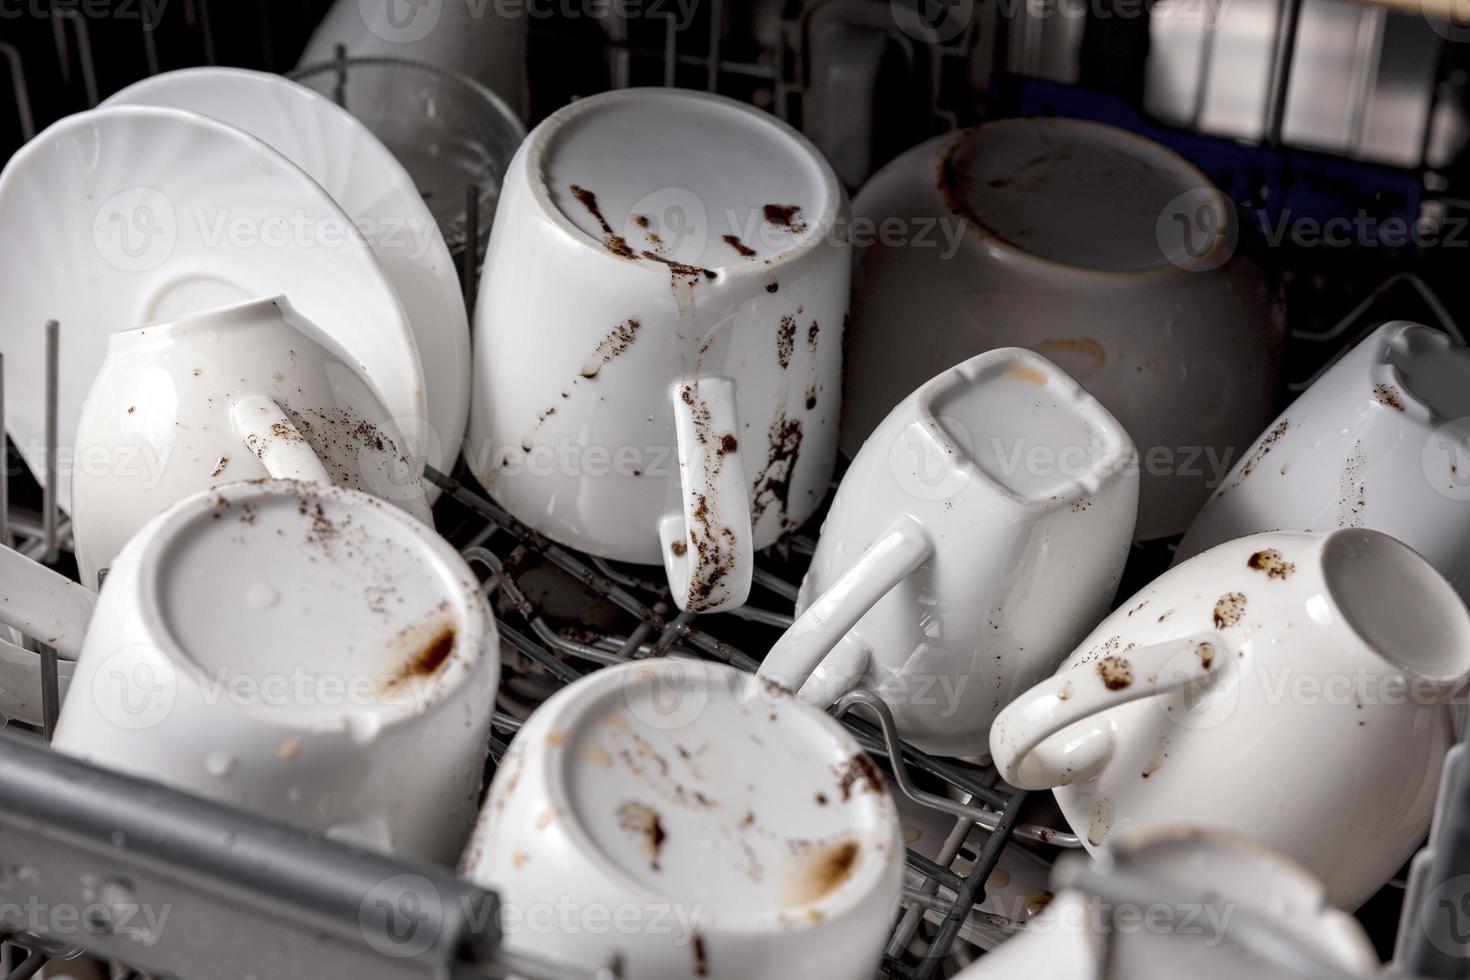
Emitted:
pixel 123 216
pixel 369 183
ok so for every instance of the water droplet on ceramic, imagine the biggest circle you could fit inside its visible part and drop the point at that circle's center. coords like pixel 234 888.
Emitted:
pixel 262 596
pixel 219 764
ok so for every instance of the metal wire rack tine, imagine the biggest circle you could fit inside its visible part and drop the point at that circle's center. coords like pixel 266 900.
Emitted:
pixel 49 495
pixel 339 90
pixel 5 474
pixel 29 967
pixel 50 690
pixel 84 52
pixel 23 108
pixel 150 44
pixel 894 749
pixel 471 246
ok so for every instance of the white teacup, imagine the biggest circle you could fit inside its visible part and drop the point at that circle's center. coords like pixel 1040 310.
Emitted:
pixel 723 828
pixel 1381 440
pixel 979 534
pixel 297 649
pixel 1219 877
pixel 1288 686
pixel 248 392
pixel 658 335
pixel 1107 253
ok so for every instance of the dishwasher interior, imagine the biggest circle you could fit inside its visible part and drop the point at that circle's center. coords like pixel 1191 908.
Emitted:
pixel 1302 111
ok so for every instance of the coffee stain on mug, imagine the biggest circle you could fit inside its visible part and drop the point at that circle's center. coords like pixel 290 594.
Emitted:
pixel 1270 562
pixel 820 870
pixel 1228 610
pixel 1352 489
pixel 643 822
pixel 1116 673
pixel 1388 395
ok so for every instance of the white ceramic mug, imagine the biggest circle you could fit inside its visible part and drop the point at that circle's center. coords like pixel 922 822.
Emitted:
pixel 1105 252
pixel 1380 440
pixel 247 392
pixel 1292 687
pixel 663 286
pixel 1219 876
pixel 300 650
pixel 726 830
pixel 978 535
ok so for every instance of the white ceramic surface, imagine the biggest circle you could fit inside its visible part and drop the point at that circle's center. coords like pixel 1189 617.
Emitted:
pixel 1051 234
pixel 300 650
pixel 243 393
pixel 1380 440
pixel 140 214
pixel 658 335
pixel 978 535
pixel 727 830
pixel 369 183
pixel 1222 875
pixel 1288 686
pixel 38 603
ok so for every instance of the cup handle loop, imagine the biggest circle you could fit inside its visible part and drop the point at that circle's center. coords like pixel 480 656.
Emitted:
pixel 269 433
pixel 709 544
pixel 1075 695
pixel 44 605
pixel 810 641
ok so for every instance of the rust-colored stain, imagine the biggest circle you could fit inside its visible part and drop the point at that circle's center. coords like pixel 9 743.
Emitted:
pixel 1267 444
pixel 679 548
pixel 1081 357
pixel 743 249
pixel 813 334
pixel 1228 609
pixel 822 872
pixel 691 272
pixel 613 242
pixel 701 958
pixel 219 467
pixel 642 821
pixel 1116 673
pixel 1271 563
pixel 785 340
pixel 1101 823
pixel 1065 694
pixel 728 443
pixel 772 287
pixel 786 216
pixel 618 340
pixel 773 486
pixel 428 658
pixel 1386 394
pixel 861 772
pixel 642 220
pixel 1026 373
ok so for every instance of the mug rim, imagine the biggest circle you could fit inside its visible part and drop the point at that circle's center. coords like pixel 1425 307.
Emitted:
pixel 531 157
pixel 476 638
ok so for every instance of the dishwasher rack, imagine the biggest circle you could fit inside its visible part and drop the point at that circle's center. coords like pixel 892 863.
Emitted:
pixel 247 897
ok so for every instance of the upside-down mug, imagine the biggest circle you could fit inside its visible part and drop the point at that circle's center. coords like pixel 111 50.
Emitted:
pixel 980 532
pixel 1287 686
pixel 731 831
pixel 658 335
pixel 247 392
pixel 300 650
pixel 1380 440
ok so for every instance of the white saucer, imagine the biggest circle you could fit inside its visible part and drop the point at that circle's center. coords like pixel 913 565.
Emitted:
pixel 369 183
pixel 128 215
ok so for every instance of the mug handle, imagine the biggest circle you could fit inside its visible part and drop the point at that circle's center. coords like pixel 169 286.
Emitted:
pixel 891 558
pixel 1019 735
pixel 44 605
pixel 269 433
pixel 708 545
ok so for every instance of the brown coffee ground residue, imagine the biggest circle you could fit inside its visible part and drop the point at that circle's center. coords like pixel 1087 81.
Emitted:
pixel 1228 610
pixel 643 821
pixel 822 871
pixel 1271 562
pixel 859 771
pixel 786 216
pixel 1116 673
pixel 743 249
pixel 618 340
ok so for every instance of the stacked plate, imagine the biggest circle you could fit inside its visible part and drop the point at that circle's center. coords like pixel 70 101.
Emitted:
pixel 204 188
